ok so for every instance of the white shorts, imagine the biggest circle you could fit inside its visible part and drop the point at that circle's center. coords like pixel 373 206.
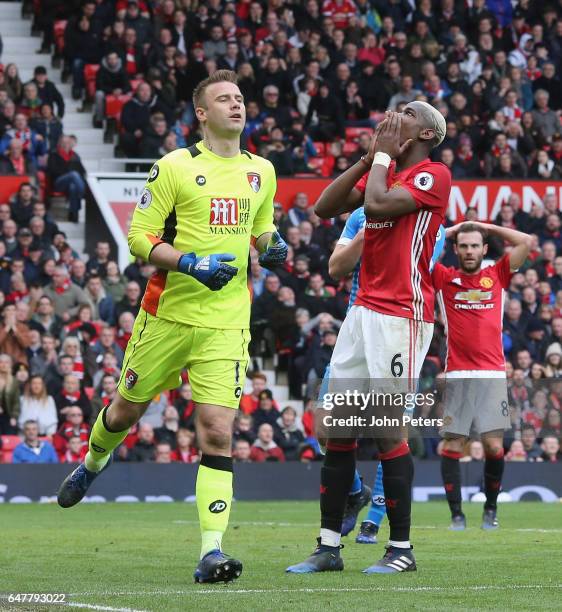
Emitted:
pixel 475 398
pixel 372 345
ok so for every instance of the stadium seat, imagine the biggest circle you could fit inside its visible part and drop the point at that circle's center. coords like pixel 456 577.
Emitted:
pixel 135 83
pixel 114 105
pixel 90 72
pixel 8 445
pixel 351 133
pixel 58 29
pixel 376 116
pixel 350 147
pixel 316 162
pixel 320 148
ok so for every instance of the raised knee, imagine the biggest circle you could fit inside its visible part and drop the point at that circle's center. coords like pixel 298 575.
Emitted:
pixel 217 436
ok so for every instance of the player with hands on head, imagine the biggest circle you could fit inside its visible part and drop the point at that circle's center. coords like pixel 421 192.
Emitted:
pixel 201 209
pixel 471 297
pixel 387 332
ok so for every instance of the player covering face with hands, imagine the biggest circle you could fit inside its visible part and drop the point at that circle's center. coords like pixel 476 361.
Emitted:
pixel 199 212
pixel 387 332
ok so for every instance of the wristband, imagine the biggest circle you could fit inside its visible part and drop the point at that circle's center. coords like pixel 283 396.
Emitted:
pixel 383 159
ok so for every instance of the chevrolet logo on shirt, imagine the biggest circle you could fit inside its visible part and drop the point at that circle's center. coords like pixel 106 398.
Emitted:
pixel 473 296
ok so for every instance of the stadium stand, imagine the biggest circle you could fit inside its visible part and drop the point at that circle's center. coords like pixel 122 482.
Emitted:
pixel 317 78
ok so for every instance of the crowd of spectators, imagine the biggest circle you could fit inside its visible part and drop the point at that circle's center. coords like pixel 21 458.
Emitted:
pixel 66 320
pixel 32 142
pixel 315 74
pixel 66 323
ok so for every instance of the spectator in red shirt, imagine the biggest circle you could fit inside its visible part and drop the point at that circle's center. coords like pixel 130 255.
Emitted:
pixel 76 451
pixel 249 401
pixel 340 11
pixel 371 52
pixel 186 451
pixel 264 448
pixel 74 426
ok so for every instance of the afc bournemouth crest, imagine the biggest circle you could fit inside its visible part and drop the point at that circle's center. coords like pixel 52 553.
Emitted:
pixel 255 180
pixel 131 378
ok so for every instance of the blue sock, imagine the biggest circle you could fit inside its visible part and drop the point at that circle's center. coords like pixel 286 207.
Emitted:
pixel 357 484
pixel 377 510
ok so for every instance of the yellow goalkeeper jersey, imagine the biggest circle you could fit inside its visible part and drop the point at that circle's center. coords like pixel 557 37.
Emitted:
pixel 200 202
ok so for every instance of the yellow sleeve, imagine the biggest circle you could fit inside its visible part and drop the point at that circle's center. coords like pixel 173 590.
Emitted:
pixel 263 221
pixel 155 205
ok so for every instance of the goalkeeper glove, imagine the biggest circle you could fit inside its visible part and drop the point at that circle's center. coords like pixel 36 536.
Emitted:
pixel 275 253
pixel 209 270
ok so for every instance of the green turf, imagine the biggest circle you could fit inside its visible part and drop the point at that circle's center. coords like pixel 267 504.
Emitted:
pixel 142 556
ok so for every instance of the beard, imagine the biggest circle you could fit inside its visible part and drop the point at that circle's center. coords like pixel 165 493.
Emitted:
pixel 471 265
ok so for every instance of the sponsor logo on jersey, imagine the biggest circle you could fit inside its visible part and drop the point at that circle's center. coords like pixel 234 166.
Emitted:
pixel 217 506
pixel 379 224
pixel 424 181
pixel 255 180
pixel 131 378
pixel 473 296
pixel 473 299
pixel 145 199
pixel 229 216
pixel 154 173
pixel 224 211
pixel 486 282
pixel 200 180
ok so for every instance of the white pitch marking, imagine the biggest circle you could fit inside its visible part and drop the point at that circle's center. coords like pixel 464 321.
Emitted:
pixel 75 604
pixel 229 591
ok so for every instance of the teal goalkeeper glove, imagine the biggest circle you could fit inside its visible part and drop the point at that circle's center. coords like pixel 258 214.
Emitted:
pixel 275 253
pixel 209 270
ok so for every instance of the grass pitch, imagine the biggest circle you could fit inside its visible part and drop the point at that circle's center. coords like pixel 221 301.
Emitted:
pixel 130 557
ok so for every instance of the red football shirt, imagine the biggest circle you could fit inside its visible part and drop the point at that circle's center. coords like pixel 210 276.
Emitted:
pixel 395 278
pixel 340 13
pixel 472 307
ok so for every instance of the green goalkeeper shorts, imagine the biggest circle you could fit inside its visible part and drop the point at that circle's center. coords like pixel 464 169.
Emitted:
pixel 159 350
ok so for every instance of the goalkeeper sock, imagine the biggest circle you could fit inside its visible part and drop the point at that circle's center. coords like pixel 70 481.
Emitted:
pixel 493 472
pixel 335 483
pixel 103 441
pixel 377 509
pixel 397 476
pixel 213 492
pixel 451 474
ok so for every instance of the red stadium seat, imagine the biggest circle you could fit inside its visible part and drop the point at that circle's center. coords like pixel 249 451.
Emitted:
pixel 114 105
pixel 58 30
pixel 90 72
pixel 135 83
pixel 320 148
pixel 351 133
pixel 350 147
pixel 316 162
pixel 376 116
pixel 8 445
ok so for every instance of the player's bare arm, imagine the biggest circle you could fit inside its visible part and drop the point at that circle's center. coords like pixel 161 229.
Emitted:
pixel 520 242
pixel 345 257
pixel 341 196
pixel 379 200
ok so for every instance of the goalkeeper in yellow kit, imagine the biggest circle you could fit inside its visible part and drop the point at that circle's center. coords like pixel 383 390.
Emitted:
pixel 199 212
